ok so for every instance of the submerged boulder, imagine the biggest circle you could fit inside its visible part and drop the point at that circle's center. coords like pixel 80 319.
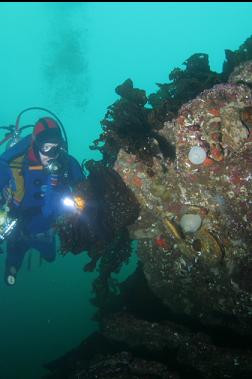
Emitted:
pixel 201 270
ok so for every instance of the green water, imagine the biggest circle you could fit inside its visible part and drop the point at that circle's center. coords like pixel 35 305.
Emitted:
pixel 69 57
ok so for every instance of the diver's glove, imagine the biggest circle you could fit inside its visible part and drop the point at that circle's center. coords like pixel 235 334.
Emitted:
pixel 58 199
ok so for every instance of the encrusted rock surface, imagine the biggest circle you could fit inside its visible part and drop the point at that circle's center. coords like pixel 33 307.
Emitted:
pixel 206 272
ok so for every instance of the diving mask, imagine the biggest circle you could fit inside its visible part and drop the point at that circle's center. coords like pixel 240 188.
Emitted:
pixel 51 150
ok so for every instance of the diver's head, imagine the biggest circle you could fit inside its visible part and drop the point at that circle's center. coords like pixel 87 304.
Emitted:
pixel 48 153
pixel 47 140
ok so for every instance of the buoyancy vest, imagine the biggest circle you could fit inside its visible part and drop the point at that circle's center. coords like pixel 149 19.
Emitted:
pixel 15 157
pixel 16 166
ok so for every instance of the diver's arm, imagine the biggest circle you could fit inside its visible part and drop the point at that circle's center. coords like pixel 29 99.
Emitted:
pixel 57 192
pixel 6 177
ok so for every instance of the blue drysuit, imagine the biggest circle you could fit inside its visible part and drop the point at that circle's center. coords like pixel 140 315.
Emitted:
pixel 40 206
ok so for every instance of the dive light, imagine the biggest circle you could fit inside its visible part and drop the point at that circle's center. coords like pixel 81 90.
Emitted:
pixel 76 203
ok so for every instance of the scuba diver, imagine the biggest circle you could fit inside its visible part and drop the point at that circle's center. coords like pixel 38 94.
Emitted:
pixel 37 176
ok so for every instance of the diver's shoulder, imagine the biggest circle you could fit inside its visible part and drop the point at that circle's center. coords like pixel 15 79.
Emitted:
pixel 72 159
pixel 75 168
pixel 18 149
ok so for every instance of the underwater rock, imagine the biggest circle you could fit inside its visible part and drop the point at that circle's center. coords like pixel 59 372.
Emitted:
pixel 153 336
pixel 242 74
pixel 124 366
pixel 199 274
pixel 178 344
pixel 100 358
